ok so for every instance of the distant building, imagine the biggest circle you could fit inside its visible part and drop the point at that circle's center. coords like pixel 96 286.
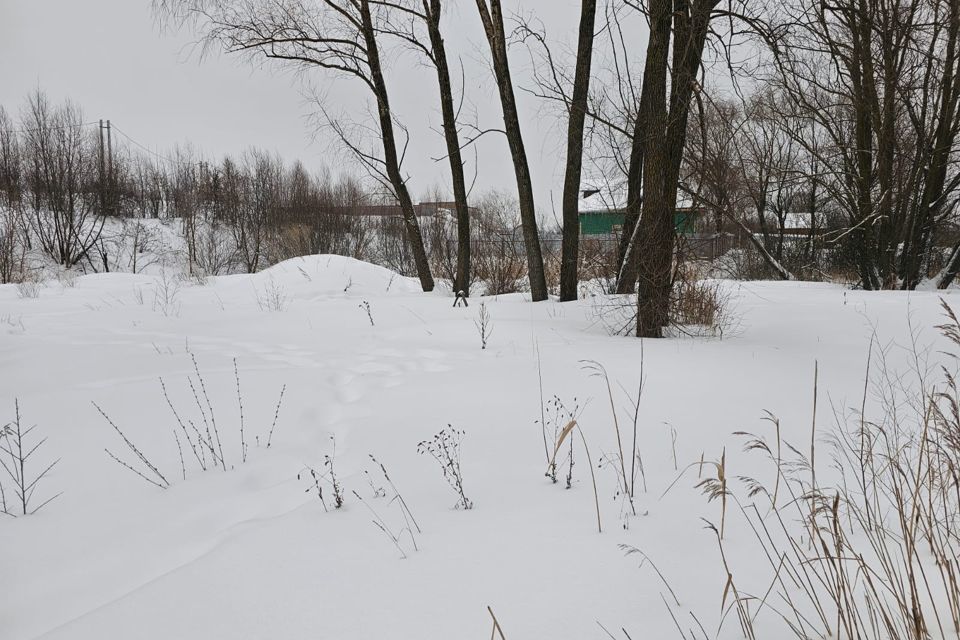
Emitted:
pixel 801 223
pixel 602 212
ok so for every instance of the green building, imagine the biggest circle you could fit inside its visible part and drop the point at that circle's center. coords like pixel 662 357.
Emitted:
pixel 610 221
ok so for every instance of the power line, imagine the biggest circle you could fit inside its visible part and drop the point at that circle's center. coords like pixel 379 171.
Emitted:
pixel 99 123
pixel 51 128
pixel 141 146
pixel 152 152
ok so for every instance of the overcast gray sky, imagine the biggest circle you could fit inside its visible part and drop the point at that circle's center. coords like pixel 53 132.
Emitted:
pixel 111 57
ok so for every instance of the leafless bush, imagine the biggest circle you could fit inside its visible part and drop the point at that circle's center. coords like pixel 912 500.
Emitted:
pixel 598 263
pixel 212 253
pixel 273 297
pixel 444 447
pixel 197 434
pixel 29 288
pixel 555 416
pixel 166 293
pixel 501 271
pixel 440 238
pixel 498 254
pixel 67 278
pixel 142 241
pixel 698 307
pixel 484 324
pixel 13 248
pixel 702 307
pixel 390 247
pixel 327 477
pixel 17 449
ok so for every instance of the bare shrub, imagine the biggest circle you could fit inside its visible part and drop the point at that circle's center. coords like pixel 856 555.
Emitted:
pixel 67 278
pixel 499 266
pixel 484 325
pixel 440 237
pixel 198 432
pixel 327 477
pixel 13 248
pixel 143 244
pixel 498 253
pixel 390 247
pixel 698 307
pixel 166 294
pixel 444 447
pixel 29 288
pixel 598 264
pixel 212 253
pixel 701 307
pixel 17 449
pixel 273 297
pixel 554 418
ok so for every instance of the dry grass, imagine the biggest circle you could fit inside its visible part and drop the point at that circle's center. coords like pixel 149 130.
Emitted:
pixel 867 546
pixel 698 307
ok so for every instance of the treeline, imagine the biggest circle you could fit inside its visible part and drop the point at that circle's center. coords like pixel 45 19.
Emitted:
pixel 62 181
pixel 779 165
pixel 855 110
pixel 847 111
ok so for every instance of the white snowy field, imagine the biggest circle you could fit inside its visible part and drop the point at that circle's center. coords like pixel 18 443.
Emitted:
pixel 250 552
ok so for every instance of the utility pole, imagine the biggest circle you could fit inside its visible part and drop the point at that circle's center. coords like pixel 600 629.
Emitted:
pixel 102 181
pixel 110 178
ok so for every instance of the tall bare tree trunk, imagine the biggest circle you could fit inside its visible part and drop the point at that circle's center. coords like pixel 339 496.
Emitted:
pixel 492 18
pixel 391 159
pixel 654 231
pixel 665 138
pixel 432 9
pixel 569 254
pixel 627 270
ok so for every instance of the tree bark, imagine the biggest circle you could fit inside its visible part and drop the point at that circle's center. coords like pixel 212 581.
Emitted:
pixel 654 240
pixel 492 18
pixel 571 186
pixel 627 271
pixel 432 9
pixel 666 135
pixel 390 157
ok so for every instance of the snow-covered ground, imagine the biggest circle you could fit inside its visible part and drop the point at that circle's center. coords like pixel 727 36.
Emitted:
pixel 251 552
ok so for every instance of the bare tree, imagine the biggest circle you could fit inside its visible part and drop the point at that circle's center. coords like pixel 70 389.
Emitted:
pixel 334 35
pixel 60 169
pixel 574 164
pixel 491 15
pixel 13 237
pixel 11 166
pixel 663 127
pixel 258 187
pixel 880 81
pixel 412 18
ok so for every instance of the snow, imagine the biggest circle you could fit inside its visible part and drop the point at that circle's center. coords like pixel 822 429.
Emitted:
pixel 251 553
